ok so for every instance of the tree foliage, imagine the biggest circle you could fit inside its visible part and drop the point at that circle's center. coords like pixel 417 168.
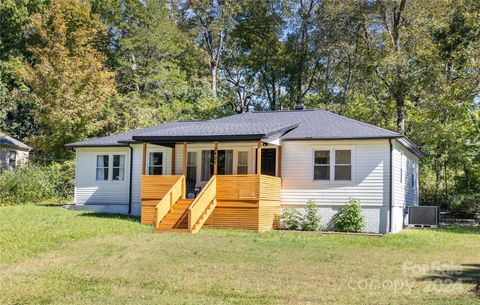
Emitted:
pixel 66 75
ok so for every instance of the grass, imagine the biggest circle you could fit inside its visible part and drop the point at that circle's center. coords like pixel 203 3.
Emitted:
pixel 53 256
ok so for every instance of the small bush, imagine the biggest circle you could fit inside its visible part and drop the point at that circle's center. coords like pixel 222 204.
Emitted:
pixel 311 219
pixel 349 217
pixel 290 219
pixel 465 203
pixel 33 184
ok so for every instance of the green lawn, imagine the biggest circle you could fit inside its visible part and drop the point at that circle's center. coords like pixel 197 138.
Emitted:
pixel 52 256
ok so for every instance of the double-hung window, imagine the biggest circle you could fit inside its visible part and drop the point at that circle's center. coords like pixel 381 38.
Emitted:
pixel 332 165
pixel 102 167
pixel 114 164
pixel 155 163
pixel 322 165
pixel 343 165
pixel 118 168
pixel 192 165
pixel 242 163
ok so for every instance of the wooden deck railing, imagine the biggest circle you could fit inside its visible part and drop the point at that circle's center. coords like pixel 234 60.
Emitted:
pixel 270 188
pixel 166 204
pixel 234 187
pixel 200 205
pixel 154 188
pixel 248 187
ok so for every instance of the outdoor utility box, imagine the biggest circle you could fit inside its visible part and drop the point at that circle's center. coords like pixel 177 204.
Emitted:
pixel 423 216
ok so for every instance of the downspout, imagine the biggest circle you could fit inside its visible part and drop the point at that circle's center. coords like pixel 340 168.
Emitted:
pixel 130 181
pixel 391 186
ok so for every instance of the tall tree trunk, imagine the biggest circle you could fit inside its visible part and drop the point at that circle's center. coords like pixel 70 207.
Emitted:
pixel 400 94
pixel 213 77
pixel 303 51
pixel 400 105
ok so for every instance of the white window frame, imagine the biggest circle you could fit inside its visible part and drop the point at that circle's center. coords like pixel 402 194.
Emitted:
pixel 124 167
pixel 335 164
pixel 236 159
pixel 150 152
pixel 332 150
pixel 104 167
pixel 110 167
pixel 196 162
pixel 329 165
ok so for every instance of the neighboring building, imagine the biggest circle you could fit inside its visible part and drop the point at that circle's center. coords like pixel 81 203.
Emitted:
pixel 13 153
pixel 304 155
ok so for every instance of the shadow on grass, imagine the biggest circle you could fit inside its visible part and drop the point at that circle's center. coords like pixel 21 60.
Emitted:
pixel 461 229
pixel 110 216
pixel 466 274
pixel 50 205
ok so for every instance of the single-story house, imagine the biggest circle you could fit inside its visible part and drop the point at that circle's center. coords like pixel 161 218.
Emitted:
pixel 13 153
pixel 239 171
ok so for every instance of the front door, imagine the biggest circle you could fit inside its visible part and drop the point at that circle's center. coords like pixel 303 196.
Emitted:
pixel 269 158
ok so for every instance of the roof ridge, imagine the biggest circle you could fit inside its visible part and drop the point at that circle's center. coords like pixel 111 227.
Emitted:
pixel 357 121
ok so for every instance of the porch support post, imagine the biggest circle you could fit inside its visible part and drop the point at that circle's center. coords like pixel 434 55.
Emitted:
pixel 144 158
pixel 173 160
pixel 279 161
pixel 215 158
pixel 184 163
pixel 259 157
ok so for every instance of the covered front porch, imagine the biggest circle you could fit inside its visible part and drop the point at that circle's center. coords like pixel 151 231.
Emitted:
pixel 221 184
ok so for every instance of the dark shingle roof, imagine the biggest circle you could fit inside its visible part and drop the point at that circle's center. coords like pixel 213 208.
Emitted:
pixel 217 130
pixel 122 138
pixel 290 125
pixel 7 140
pixel 315 124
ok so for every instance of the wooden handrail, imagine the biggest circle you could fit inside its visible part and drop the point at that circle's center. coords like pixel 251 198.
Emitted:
pixel 201 203
pixel 165 205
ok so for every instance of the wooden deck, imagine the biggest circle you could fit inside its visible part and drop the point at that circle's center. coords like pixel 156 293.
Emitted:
pixel 250 202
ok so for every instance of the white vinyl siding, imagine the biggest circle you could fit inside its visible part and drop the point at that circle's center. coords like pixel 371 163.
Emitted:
pixel 405 184
pixel 405 166
pixel 89 190
pixel 370 173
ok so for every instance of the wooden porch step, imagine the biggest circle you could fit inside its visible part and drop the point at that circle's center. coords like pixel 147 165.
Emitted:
pixel 176 219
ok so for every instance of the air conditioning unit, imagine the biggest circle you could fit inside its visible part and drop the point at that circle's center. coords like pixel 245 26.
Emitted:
pixel 424 216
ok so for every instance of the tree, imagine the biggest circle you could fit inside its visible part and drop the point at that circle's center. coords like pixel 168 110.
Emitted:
pixel 254 51
pixel 16 105
pixel 209 21
pixel 445 118
pixel 66 75
pixel 159 69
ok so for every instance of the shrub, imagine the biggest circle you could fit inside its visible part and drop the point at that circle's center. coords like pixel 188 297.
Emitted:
pixel 349 217
pixel 290 219
pixel 465 203
pixel 311 219
pixel 33 184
